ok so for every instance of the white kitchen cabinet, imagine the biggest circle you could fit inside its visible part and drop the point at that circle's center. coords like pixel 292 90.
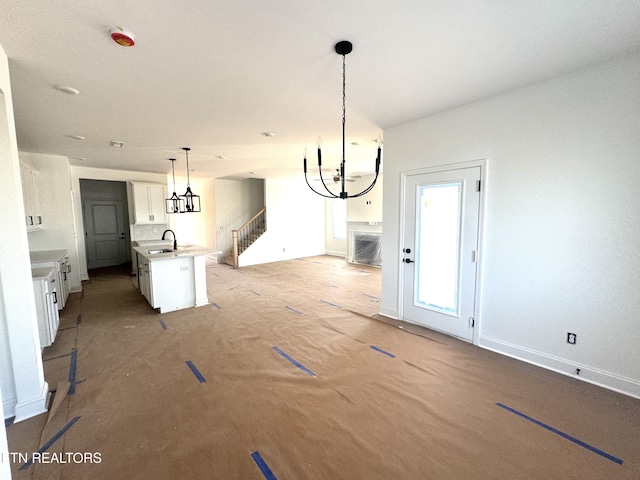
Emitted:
pixel 59 262
pixel 63 272
pixel 148 203
pixel 45 291
pixel 144 279
pixel 28 176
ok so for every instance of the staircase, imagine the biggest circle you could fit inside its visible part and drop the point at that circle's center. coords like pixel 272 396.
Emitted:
pixel 244 236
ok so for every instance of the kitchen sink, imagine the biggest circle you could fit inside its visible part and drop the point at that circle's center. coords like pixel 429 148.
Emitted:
pixel 160 250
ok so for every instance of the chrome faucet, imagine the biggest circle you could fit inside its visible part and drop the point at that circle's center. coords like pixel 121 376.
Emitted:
pixel 175 242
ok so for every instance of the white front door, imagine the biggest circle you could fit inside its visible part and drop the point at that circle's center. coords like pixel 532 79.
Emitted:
pixel 440 249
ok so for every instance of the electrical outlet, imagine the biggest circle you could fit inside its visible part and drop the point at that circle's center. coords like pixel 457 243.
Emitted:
pixel 571 338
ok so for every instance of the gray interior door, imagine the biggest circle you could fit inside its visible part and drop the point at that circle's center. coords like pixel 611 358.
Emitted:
pixel 104 233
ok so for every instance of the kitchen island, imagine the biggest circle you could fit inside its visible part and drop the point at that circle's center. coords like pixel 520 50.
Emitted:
pixel 173 279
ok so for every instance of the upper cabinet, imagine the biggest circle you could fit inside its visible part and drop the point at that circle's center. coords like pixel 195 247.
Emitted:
pixel 148 203
pixel 33 217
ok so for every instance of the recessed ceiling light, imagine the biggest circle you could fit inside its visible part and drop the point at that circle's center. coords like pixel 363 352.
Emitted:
pixel 76 137
pixel 117 144
pixel 268 134
pixel 221 157
pixel 69 90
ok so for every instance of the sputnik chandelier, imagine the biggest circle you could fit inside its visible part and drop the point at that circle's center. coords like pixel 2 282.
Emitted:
pixel 342 48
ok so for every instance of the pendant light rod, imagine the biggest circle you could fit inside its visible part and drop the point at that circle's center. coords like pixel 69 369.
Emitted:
pixel 191 200
pixel 174 204
pixel 343 48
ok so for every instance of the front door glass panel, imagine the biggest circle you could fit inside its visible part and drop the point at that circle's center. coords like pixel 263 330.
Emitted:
pixel 438 219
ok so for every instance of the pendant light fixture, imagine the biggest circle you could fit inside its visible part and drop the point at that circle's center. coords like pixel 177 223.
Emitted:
pixel 174 204
pixel 191 201
pixel 342 48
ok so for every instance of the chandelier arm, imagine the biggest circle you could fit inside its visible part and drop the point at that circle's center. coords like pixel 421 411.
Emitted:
pixel 333 195
pixel 316 192
pixel 366 190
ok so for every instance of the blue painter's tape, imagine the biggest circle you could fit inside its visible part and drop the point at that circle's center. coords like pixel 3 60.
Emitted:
pixel 73 367
pixel 371 296
pixel 295 362
pixel 254 292
pixel 562 434
pixel 332 304
pixel 195 371
pixel 292 310
pixel 56 358
pixel 8 421
pixel 53 440
pixel 217 306
pixel 383 351
pixel 164 325
pixel 262 465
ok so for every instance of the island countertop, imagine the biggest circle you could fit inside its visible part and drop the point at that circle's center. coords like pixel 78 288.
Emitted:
pixel 182 251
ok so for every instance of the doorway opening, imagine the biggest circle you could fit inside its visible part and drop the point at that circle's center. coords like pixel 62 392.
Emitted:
pixel 105 216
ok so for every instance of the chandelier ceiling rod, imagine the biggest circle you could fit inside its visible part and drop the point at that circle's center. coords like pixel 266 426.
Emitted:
pixel 342 48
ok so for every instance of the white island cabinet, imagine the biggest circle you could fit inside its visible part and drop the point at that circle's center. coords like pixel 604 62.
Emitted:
pixel 173 279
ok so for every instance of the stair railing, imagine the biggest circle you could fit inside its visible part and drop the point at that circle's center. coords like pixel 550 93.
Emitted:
pixel 248 233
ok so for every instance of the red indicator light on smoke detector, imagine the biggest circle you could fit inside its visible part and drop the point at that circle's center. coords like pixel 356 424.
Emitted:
pixel 123 38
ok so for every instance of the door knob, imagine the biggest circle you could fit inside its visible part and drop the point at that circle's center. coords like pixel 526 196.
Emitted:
pixel 408 260
pixel 406 250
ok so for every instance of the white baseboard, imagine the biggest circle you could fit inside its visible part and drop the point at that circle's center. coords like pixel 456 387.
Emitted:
pixel 33 406
pixel 9 407
pixel 388 313
pixel 617 383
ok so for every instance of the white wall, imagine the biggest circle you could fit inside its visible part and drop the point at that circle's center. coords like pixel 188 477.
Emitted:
pixel 562 224
pixel 53 183
pixel 197 228
pixel 367 208
pixel 295 224
pixel 24 391
pixel 236 201
pixel 5 467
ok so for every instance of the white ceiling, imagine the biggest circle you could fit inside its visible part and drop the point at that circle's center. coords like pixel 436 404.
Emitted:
pixel 213 75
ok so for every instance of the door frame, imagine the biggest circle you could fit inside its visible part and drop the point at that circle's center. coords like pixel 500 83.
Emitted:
pixel 483 163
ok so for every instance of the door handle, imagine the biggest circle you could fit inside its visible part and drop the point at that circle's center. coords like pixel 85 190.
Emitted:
pixel 408 260
pixel 406 250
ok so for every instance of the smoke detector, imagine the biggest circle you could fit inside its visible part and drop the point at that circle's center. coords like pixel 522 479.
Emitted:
pixel 123 38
